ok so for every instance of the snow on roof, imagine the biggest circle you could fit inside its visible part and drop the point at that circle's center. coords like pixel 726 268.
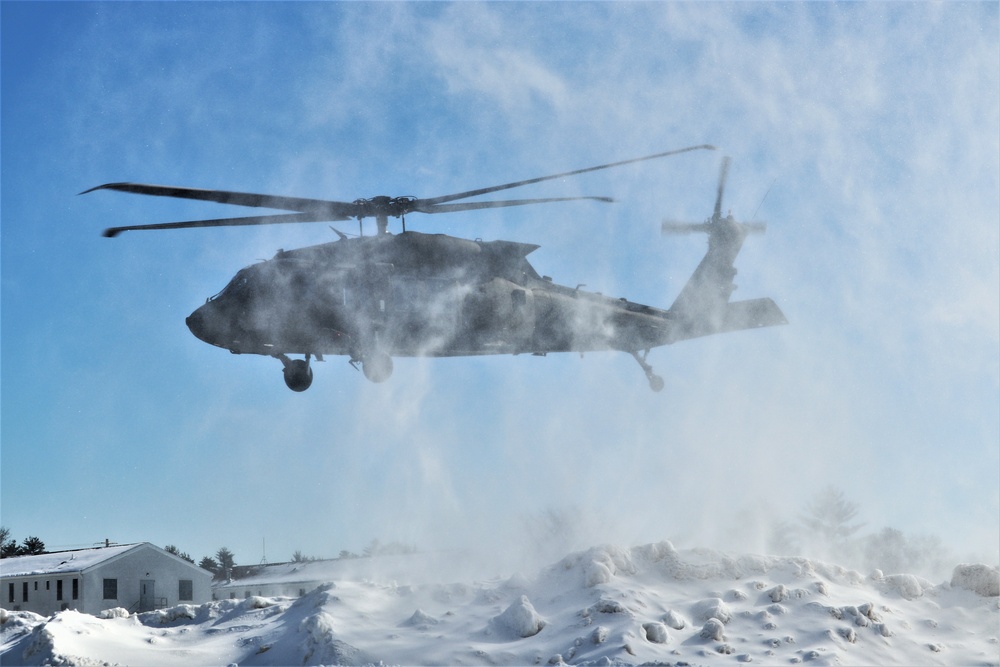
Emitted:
pixel 60 562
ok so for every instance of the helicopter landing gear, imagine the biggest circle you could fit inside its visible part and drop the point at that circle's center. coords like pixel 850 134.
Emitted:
pixel 377 366
pixel 655 381
pixel 298 374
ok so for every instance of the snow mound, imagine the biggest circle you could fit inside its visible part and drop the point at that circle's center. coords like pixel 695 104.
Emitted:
pixel 674 620
pixel 420 618
pixel 907 586
pixel 713 630
pixel 182 612
pixel 980 579
pixel 599 565
pixel 712 608
pixel 519 620
pixel 656 632
pixel 321 647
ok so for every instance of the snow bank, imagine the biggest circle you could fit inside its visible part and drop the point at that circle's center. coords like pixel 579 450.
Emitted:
pixel 980 579
pixel 321 647
pixel 607 605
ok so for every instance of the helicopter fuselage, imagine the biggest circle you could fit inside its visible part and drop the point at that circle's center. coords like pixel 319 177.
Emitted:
pixel 416 294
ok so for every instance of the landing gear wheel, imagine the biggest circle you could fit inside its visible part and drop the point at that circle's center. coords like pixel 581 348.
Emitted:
pixel 655 381
pixel 377 366
pixel 298 375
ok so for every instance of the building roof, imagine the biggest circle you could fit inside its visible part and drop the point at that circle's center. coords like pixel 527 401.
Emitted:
pixel 61 562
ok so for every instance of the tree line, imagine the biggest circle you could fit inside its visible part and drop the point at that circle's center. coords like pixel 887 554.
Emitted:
pixel 9 547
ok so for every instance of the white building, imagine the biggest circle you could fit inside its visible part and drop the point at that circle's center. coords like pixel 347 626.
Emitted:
pixel 138 577
pixel 278 579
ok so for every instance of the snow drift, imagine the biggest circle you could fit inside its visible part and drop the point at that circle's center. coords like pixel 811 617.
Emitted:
pixel 606 605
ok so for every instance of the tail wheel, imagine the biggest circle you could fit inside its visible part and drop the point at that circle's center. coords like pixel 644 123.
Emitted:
pixel 298 375
pixel 377 366
pixel 655 381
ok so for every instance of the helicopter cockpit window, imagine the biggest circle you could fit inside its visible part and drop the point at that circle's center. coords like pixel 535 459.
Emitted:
pixel 238 285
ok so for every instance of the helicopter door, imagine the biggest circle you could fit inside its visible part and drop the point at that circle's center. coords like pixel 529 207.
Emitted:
pixel 425 314
pixel 501 316
pixel 369 295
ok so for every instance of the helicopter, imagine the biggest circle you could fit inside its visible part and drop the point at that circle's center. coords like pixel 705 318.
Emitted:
pixel 372 298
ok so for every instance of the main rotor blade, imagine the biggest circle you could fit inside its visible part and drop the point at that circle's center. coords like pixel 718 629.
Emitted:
pixel 476 205
pixel 496 188
pixel 300 204
pixel 754 226
pixel 230 222
pixel 723 175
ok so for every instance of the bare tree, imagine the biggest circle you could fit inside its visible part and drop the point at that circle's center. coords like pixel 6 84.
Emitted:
pixel 8 547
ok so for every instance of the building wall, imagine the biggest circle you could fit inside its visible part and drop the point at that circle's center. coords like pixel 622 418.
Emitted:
pixel 146 562
pixel 128 569
pixel 43 593
pixel 236 590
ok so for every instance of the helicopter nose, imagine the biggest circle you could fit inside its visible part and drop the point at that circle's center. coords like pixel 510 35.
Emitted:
pixel 196 322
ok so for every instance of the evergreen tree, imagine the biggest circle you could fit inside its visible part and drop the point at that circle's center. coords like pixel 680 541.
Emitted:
pixel 372 549
pixel 171 549
pixel 830 515
pixel 31 546
pixel 208 563
pixel 226 560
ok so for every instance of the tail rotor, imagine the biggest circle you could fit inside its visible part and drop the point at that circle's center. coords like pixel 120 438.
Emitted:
pixel 723 176
pixel 717 221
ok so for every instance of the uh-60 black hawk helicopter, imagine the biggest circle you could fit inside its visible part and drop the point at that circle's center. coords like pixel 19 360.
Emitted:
pixel 412 294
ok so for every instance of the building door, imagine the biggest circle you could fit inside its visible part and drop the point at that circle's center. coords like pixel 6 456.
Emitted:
pixel 147 595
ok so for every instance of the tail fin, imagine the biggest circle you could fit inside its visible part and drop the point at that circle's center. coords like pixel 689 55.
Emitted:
pixel 703 306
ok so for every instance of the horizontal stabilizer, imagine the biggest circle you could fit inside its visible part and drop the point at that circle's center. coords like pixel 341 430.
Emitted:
pixel 751 314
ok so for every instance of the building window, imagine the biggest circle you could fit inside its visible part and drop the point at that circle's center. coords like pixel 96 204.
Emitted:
pixel 47 582
pixel 24 592
pixel 10 592
pixel 185 590
pixel 59 589
pixel 36 585
pixel 76 589
pixel 110 589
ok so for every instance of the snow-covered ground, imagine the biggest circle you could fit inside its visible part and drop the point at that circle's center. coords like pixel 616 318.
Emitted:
pixel 606 605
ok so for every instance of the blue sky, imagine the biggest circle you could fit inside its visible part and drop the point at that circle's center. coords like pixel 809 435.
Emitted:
pixel 874 129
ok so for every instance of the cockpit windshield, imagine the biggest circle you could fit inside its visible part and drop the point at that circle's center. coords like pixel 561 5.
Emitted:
pixel 238 285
